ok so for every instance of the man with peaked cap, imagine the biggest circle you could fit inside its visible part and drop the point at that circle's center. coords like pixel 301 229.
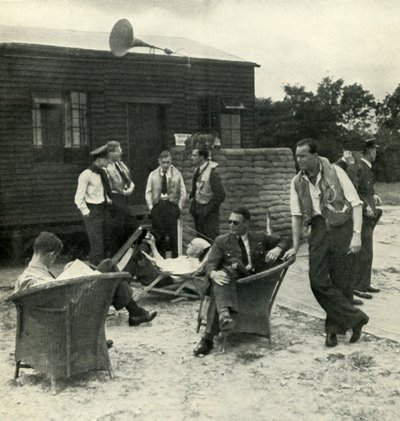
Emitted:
pixel 122 188
pixel 92 197
pixel 362 176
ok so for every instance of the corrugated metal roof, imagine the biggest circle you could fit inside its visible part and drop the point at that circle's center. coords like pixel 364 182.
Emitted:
pixel 98 41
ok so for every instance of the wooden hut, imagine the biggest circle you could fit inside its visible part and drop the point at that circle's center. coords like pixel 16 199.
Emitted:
pixel 63 93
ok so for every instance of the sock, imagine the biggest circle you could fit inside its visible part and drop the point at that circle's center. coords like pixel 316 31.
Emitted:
pixel 134 309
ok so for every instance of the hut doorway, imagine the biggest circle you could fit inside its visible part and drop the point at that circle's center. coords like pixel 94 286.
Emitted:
pixel 146 139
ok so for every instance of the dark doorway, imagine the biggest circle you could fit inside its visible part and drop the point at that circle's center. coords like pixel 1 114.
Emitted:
pixel 146 136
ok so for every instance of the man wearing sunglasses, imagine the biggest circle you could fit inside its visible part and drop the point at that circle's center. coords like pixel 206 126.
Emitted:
pixel 234 255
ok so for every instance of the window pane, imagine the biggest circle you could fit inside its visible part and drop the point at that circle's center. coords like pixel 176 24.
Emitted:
pixel 235 135
pixel 226 141
pixel 76 138
pixel 235 121
pixel 74 98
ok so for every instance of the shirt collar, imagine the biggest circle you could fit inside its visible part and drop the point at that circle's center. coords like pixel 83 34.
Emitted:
pixel 367 162
pixel 37 265
pixel 305 176
pixel 202 166
pixel 168 173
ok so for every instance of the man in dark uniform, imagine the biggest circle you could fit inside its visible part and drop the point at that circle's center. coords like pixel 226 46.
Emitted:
pixel 207 195
pixel 362 176
pixel 234 255
pixel 323 197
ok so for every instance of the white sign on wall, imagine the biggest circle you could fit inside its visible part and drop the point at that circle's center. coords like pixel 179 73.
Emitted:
pixel 180 138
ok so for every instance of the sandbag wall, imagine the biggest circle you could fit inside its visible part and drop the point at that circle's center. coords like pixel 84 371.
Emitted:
pixel 258 179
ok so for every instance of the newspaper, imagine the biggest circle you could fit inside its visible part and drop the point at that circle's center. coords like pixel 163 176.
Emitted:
pixel 76 269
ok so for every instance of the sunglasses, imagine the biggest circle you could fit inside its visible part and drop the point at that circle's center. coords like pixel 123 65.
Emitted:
pixel 230 221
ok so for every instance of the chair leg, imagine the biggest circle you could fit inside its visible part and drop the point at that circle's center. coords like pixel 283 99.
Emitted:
pixel 110 371
pixel 17 367
pixel 53 385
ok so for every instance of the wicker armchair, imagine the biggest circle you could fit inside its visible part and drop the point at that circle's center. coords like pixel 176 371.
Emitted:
pixel 60 325
pixel 256 295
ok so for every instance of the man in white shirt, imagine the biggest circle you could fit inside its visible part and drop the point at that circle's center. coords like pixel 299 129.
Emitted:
pixel 92 197
pixel 323 197
pixel 165 197
pixel 122 186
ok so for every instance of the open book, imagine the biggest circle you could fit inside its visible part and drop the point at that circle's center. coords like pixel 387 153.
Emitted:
pixel 76 269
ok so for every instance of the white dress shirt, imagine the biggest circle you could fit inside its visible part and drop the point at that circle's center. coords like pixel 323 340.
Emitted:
pixel 90 190
pixel 246 242
pixel 348 188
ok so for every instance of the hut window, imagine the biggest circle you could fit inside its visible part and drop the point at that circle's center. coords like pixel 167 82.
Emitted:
pixel 76 125
pixel 230 130
pixel 209 111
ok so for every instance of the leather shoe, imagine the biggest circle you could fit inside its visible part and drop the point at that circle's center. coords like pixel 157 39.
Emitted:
pixel 357 330
pixel 203 348
pixel 109 343
pixel 362 294
pixel 356 302
pixel 146 317
pixel 226 323
pixel 373 289
pixel 331 339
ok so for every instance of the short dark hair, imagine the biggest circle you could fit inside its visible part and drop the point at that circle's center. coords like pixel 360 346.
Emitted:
pixel 165 154
pixel 46 242
pixel 310 142
pixel 203 152
pixel 244 212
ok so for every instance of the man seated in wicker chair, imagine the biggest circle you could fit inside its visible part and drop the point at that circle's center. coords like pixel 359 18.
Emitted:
pixel 234 255
pixel 46 248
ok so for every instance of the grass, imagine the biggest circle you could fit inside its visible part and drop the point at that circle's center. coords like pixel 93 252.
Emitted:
pixel 389 193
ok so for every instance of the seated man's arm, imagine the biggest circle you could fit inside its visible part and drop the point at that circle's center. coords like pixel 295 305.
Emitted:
pixel 275 245
pixel 214 261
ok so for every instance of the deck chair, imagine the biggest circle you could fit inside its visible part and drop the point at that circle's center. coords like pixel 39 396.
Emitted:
pixel 256 295
pixel 182 285
pixel 60 325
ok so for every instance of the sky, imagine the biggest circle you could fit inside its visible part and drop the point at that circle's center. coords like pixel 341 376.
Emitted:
pixel 294 41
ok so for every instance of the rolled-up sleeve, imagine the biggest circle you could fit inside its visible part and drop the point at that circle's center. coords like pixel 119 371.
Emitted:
pixel 80 194
pixel 295 208
pixel 149 192
pixel 349 191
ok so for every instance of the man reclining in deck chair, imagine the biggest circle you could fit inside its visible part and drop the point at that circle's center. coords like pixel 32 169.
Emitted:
pixel 47 247
pixel 235 255
pixel 192 263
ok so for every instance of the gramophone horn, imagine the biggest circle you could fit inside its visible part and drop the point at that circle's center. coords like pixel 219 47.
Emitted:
pixel 122 39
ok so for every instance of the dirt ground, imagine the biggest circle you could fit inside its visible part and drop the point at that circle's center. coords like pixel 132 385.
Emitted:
pixel 157 378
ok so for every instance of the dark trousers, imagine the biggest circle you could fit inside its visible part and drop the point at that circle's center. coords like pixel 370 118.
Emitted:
pixel 330 274
pixel 123 294
pixel 95 225
pixel 206 224
pixel 225 295
pixel 121 225
pixel 363 260
pixel 165 215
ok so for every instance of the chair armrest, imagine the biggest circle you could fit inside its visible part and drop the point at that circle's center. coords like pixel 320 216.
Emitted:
pixel 267 273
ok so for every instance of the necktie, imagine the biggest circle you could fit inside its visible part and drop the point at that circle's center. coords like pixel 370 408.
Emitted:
pixel 164 188
pixel 194 183
pixel 245 258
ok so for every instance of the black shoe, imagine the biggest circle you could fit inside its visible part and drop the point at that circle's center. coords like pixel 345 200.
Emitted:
pixel 226 323
pixel 357 330
pixel 362 294
pixel 373 289
pixel 331 339
pixel 146 317
pixel 203 348
pixel 356 302
pixel 109 343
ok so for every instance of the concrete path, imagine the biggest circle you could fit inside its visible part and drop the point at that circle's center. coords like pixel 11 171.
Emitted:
pixel 383 309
